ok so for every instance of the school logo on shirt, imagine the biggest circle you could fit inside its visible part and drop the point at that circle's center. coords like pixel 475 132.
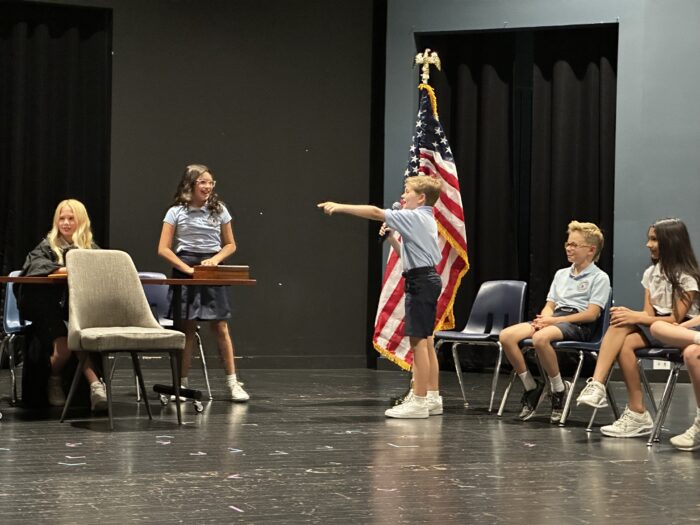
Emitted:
pixel 582 286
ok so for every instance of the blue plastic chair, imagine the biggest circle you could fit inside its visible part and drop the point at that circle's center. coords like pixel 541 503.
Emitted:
pixel 583 349
pixel 13 325
pixel 497 305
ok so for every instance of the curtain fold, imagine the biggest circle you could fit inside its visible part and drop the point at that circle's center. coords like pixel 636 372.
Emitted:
pixel 55 97
pixel 530 116
pixel 573 144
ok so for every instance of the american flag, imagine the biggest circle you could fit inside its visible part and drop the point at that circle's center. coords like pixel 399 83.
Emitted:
pixel 430 154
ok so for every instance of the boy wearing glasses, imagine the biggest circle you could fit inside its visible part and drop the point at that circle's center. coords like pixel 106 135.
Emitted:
pixel 577 296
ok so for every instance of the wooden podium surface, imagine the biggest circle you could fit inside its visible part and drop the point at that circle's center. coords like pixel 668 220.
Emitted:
pixel 221 281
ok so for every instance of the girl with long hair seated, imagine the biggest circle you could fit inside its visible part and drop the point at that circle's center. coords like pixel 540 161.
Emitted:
pixel 46 306
pixel 671 286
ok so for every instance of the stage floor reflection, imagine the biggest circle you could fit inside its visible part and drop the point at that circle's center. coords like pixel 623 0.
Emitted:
pixel 313 446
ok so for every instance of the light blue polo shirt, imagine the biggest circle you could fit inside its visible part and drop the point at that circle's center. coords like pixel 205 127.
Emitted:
pixel 419 236
pixel 591 286
pixel 197 230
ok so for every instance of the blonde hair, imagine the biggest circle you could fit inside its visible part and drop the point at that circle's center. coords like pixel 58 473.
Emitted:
pixel 426 185
pixel 591 234
pixel 82 238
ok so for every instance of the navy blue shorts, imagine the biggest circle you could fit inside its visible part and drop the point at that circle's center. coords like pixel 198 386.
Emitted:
pixel 422 287
pixel 573 331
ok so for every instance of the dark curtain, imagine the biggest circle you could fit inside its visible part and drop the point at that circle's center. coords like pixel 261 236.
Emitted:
pixel 530 116
pixel 474 92
pixel 573 144
pixel 55 77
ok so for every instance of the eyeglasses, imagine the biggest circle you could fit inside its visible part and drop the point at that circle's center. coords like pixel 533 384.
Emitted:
pixel 575 246
pixel 204 182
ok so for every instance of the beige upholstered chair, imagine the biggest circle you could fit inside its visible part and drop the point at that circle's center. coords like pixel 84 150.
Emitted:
pixel 109 313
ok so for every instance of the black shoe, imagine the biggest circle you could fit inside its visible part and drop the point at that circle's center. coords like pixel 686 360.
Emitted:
pixel 558 399
pixel 530 400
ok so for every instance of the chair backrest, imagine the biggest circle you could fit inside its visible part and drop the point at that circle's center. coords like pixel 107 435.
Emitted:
pixel 12 322
pixel 602 322
pixel 104 291
pixel 157 296
pixel 498 304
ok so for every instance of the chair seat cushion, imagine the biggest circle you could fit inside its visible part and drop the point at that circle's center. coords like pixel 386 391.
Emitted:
pixel 465 336
pixel 576 345
pixel 130 338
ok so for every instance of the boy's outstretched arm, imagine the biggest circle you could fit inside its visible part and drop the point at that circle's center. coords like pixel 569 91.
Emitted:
pixel 364 211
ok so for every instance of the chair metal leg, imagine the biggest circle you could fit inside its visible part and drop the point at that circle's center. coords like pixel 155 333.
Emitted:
pixel 664 404
pixel 136 381
pixel 504 399
pixel 204 362
pixel 175 369
pixel 108 388
pixel 647 386
pixel 570 395
pixel 10 348
pixel 458 369
pixel 73 385
pixel 496 372
pixel 141 387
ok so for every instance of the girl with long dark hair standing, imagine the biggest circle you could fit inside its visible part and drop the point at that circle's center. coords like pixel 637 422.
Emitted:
pixel 197 230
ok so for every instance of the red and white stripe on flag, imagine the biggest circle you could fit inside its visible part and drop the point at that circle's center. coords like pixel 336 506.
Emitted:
pixel 389 339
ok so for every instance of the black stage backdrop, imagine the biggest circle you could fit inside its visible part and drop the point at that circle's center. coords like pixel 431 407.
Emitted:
pixel 530 116
pixel 55 77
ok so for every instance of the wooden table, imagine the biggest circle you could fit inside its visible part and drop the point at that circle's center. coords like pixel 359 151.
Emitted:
pixel 61 279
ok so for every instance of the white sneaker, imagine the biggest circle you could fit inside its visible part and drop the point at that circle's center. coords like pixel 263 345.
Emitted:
pixel 434 404
pixel 55 391
pixel 413 408
pixel 98 396
pixel 593 394
pixel 688 440
pixel 630 424
pixel 235 388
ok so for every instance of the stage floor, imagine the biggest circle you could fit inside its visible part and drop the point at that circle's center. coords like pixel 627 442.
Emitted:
pixel 313 446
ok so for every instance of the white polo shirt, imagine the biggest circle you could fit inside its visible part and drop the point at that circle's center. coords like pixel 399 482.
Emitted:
pixel 661 293
pixel 591 286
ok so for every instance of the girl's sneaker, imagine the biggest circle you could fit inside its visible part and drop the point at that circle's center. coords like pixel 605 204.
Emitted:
pixel 236 391
pixel 630 424
pixel 593 394
pixel 688 440
pixel 98 397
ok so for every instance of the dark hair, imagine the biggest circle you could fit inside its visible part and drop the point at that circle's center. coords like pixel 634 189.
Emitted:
pixel 183 194
pixel 676 255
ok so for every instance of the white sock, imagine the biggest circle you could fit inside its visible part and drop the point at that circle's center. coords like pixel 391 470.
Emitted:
pixel 696 339
pixel 528 380
pixel 697 416
pixel 556 384
pixel 434 393
pixel 184 382
pixel 421 400
pixel 230 379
